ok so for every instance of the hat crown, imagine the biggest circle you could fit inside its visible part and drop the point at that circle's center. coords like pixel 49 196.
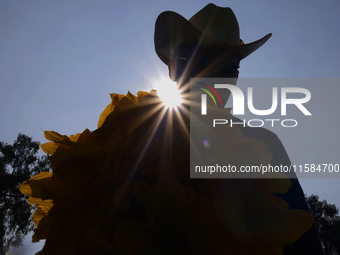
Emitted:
pixel 218 23
pixel 212 26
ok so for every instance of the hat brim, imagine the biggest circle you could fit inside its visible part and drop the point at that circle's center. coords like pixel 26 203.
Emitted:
pixel 173 30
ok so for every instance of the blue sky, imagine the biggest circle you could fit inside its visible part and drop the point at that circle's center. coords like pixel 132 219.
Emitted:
pixel 60 59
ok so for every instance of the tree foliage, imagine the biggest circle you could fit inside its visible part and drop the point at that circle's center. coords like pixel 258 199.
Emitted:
pixel 327 222
pixel 18 163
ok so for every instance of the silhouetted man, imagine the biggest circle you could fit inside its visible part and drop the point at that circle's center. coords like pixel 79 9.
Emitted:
pixel 208 45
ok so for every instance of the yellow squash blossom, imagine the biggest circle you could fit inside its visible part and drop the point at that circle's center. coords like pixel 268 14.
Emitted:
pixel 125 189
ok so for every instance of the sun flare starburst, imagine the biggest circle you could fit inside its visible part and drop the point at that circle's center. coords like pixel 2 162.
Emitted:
pixel 168 93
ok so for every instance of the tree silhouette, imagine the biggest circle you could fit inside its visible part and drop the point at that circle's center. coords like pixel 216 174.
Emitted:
pixel 18 163
pixel 327 222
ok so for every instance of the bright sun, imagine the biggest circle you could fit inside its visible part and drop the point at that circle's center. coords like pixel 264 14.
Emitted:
pixel 168 93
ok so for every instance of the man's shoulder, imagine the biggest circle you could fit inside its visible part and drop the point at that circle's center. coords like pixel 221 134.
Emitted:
pixel 259 133
pixel 275 146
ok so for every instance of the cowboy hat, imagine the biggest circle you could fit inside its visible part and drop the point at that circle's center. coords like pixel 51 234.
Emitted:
pixel 211 26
